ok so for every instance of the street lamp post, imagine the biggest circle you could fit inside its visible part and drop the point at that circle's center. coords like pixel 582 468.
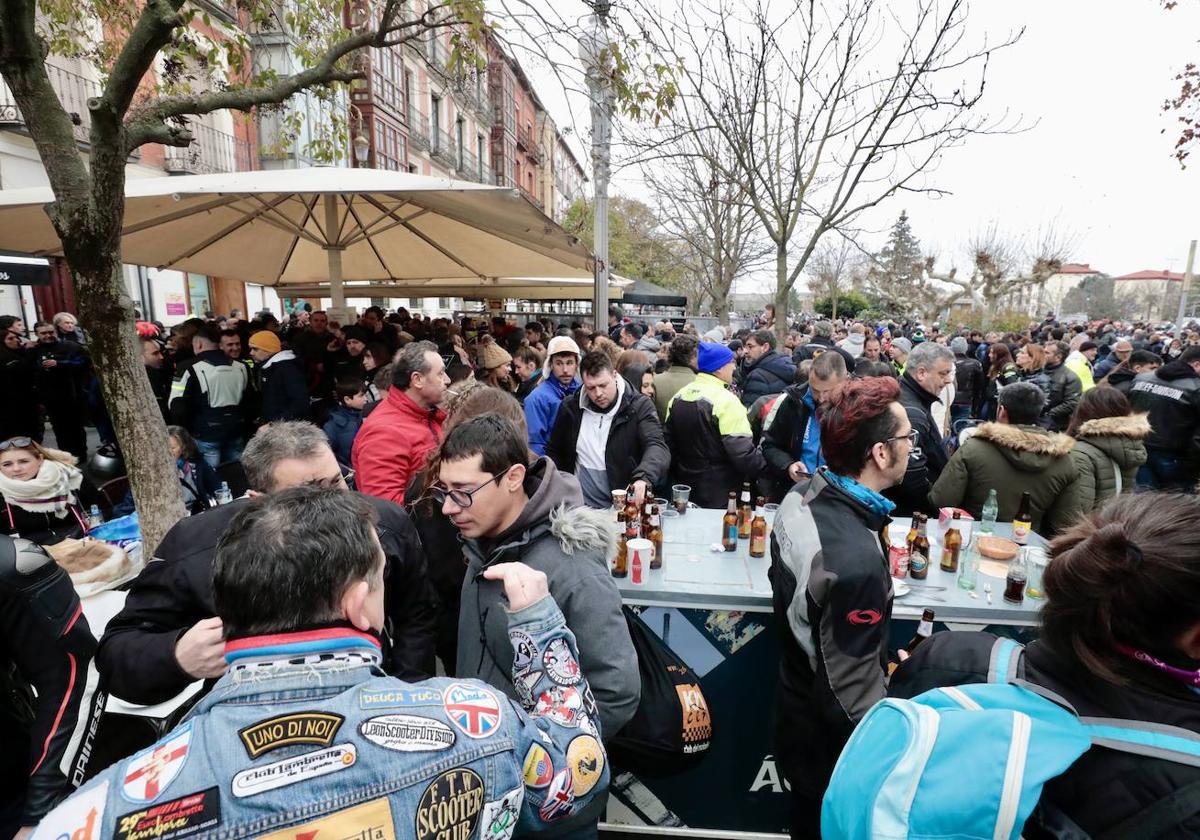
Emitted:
pixel 592 47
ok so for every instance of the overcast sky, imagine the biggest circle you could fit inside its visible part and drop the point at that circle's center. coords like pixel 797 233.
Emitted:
pixel 1090 79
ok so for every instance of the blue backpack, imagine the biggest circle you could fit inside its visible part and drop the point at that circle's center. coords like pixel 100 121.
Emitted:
pixel 970 761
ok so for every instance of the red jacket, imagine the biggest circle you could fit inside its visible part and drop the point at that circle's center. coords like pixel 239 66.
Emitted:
pixel 391 446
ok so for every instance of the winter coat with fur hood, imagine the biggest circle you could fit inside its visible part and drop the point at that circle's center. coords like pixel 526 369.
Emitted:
pixel 1102 448
pixel 1011 460
pixel 572 545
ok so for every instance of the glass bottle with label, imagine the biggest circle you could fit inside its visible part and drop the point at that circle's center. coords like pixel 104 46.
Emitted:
pixel 633 516
pixel 1023 521
pixel 918 561
pixel 912 535
pixel 924 631
pixel 621 564
pixel 745 513
pixel 991 509
pixel 729 525
pixel 952 545
pixel 758 531
pixel 656 537
pixel 1014 582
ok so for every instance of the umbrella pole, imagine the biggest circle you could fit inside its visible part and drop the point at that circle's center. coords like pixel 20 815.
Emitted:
pixel 337 293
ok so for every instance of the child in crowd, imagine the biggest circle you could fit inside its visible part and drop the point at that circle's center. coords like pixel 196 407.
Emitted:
pixel 346 417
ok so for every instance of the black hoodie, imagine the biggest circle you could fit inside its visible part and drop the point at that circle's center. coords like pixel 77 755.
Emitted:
pixel 1171 396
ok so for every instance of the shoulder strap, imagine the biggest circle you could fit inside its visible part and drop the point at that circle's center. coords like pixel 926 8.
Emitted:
pixel 1116 474
pixel 1171 743
pixel 1005 661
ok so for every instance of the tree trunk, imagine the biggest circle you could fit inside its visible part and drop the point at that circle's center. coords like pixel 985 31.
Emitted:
pixel 106 312
pixel 781 293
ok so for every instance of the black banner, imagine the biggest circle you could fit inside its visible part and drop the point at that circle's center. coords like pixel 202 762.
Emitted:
pixel 23 274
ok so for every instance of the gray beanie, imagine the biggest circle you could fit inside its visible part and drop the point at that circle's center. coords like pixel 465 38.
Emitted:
pixel 903 345
pixel 823 329
pixel 958 346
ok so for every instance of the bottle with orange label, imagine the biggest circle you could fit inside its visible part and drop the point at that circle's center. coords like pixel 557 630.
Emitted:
pixel 1023 521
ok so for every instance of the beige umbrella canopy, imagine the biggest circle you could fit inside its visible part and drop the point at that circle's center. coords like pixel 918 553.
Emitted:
pixel 302 227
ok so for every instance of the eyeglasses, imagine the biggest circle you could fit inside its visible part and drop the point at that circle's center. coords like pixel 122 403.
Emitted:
pixel 911 437
pixel 330 482
pixel 464 498
pixel 16 443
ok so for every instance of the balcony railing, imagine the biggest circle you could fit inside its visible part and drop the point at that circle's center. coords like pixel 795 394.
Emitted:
pixel 73 91
pixel 211 151
pixel 535 200
pixel 418 132
pixel 436 53
pixel 443 148
pixel 471 169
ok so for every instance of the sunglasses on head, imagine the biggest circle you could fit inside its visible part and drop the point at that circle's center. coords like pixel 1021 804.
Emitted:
pixel 15 443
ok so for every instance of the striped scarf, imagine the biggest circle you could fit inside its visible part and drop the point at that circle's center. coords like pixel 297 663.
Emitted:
pixel 52 490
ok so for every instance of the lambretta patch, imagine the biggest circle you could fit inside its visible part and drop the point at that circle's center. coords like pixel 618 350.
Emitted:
pixel 298 768
pixel 407 733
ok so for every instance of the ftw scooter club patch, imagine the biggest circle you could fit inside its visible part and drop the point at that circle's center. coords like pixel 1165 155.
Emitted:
pixel 286 730
pixel 449 807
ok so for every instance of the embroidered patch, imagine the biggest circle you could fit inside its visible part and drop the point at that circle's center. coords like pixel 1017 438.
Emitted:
pixel 560 799
pixel 79 818
pixel 407 733
pixel 368 821
pixel 450 806
pixel 585 757
pixel 523 685
pixel 384 698
pixel 560 663
pixel 183 817
pixel 298 768
pixel 561 704
pixel 538 769
pixel 525 651
pixel 474 710
pixel 499 818
pixel 285 730
pixel 152 770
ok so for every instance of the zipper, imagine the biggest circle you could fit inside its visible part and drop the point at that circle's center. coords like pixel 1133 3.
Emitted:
pixel 1014 774
pixel 962 699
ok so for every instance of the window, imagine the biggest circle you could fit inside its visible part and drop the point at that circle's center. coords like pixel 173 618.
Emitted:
pixel 458 141
pixel 435 121
pixel 391 147
pixel 479 150
pixel 408 97
pixel 387 74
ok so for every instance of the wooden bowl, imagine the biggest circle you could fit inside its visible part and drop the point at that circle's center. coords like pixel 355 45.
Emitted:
pixel 997 548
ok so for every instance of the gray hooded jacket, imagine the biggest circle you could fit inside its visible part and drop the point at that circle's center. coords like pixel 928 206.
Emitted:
pixel 572 545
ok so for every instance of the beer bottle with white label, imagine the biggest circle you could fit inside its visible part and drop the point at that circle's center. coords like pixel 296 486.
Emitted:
pixel 621 564
pixel 924 631
pixel 729 525
pixel 758 531
pixel 656 537
pixel 1023 522
pixel 918 561
pixel 745 513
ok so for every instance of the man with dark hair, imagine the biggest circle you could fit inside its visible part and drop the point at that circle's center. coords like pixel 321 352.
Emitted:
pixel 682 371
pixel 166 637
pixel 1136 363
pixel 832 591
pixel 63 372
pixel 616 318
pixel 629 336
pixel 608 436
pixel 1065 387
pixel 969 382
pixel 395 438
pixel 1011 456
pixel 152 360
pixel 378 329
pixel 821 342
pixel 325 744
pixel 929 369
pixel 231 344
pixel 871 348
pixel 791 443
pixel 1171 396
pixel 527 367
pixel 509 509
pixel 763 370
pixel 208 398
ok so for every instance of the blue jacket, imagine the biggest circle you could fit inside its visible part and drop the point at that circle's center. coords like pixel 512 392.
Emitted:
pixel 305 734
pixel 541 407
pixel 341 428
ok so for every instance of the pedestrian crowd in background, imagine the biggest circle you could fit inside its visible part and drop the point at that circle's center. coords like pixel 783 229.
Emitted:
pixel 432 496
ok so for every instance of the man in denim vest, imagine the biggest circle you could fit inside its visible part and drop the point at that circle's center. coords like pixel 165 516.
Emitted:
pixel 306 736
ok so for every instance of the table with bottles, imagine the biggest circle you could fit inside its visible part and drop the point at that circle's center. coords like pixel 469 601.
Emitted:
pixel 695 574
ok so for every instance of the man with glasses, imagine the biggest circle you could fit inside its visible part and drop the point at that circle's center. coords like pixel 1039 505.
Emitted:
pixel 165 637
pixel 832 590
pixel 63 372
pixel 928 369
pixel 763 370
pixel 506 509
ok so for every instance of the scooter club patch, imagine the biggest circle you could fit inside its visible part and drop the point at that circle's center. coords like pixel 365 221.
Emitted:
pixel 286 730
pixel 560 663
pixel 449 808
pixel 499 819
pixel 585 757
pixel 183 817
pixel 525 650
pixel 150 772
pixel 538 769
pixel 407 733
pixel 561 704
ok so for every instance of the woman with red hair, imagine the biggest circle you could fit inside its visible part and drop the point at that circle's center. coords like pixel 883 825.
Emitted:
pixel 832 591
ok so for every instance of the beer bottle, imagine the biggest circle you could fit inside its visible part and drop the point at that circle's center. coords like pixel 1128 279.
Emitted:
pixel 758 531
pixel 656 536
pixel 632 514
pixel 729 525
pixel 952 545
pixel 912 536
pixel 645 529
pixel 1023 521
pixel 924 631
pixel 621 564
pixel 918 561
pixel 745 513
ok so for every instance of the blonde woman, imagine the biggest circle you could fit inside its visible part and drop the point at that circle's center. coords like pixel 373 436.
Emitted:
pixel 45 495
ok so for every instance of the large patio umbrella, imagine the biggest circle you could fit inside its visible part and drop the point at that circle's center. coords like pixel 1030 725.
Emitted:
pixel 309 226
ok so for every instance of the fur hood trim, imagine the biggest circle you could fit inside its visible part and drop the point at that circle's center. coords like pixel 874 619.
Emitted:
pixel 1136 426
pixel 583 529
pixel 1026 439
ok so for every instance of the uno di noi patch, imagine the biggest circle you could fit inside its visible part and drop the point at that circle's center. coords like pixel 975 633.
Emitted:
pixel 183 817
pixel 286 730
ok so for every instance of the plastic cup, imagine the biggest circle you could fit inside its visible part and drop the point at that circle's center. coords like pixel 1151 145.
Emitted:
pixel 680 493
pixel 1036 560
pixel 641 554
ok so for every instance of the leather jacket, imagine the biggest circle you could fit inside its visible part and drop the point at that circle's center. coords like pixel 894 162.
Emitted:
pixel 306 736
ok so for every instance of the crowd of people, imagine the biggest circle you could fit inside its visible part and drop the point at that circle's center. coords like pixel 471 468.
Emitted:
pixel 432 496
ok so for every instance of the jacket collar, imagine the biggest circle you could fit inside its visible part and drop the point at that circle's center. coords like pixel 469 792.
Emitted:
pixel 281 356
pixel 1032 439
pixel 1136 426
pixel 822 485
pixel 403 403
pixel 301 644
pixel 586 403
pixel 927 399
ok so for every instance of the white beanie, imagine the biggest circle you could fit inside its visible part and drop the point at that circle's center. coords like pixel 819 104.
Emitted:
pixel 559 344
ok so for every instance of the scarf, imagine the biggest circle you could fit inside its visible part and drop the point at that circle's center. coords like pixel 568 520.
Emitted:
pixel 1189 678
pixel 50 491
pixel 861 493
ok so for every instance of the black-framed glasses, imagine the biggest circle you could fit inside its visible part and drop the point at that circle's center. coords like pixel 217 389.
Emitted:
pixel 16 443
pixel 464 498
pixel 911 437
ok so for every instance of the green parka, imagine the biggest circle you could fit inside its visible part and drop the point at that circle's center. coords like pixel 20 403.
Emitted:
pixel 1104 446
pixel 1011 460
